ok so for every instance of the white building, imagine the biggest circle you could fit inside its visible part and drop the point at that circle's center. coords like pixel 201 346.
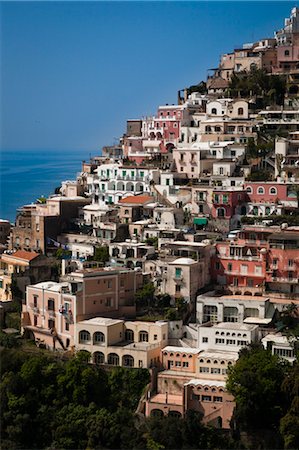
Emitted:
pixel 226 336
pixel 112 182
pixel 232 308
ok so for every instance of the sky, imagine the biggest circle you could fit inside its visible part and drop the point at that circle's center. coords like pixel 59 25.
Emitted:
pixel 72 73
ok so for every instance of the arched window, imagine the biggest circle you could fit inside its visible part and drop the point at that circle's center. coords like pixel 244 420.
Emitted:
pixel 113 359
pixel 128 361
pixel 249 189
pixel 273 191
pixel 143 336
pixel 98 358
pixel 214 111
pixel 260 190
pixel 175 414
pixel 240 111
pixel 84 337
pixel 267 210
pixel 129 335
pixel 156 413
pixel 98 338
pixel 208 129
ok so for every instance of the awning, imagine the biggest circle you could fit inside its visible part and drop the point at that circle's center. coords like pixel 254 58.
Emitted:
pixel 200 221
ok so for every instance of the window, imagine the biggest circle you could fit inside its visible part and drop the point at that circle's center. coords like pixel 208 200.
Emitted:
pixel 242 343
pixel 290 262
pixel 51 323
pixel 177 288
pixel 113 359
pixel 143 336
pixel 240 111
pixel 249 189
pixel 289 353
pixel 273 191
pixel 35 321
pixel 260 190
pixel 178 272
pixel 205 339
pixel 51 304
pixel 108 301
pixel 128 361
pixel 221 170
pixel 67 326
pixel 206 398
pixel 98 338
pixel 210 313
pixel 229 267
pixel 35 301
pixel 109 284
pixel 286 53
pixel 213 111
pixel 219 341
pixel 84 337
pixel 215 370
pixel 230 314
pixel 217 399
pixel 178 364
pixel 98 358
pixel 204 370
pixel 230 342
pixel 244 269
pixel 185 364
pixel 258 270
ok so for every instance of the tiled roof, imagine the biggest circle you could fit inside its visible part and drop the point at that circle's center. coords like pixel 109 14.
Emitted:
pixel 136 199
pixel 22 254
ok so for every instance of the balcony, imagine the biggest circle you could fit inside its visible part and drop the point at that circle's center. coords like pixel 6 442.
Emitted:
pixel 285 280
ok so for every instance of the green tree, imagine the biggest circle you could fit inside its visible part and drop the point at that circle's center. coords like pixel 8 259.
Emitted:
pixel 255 381
pixel 145 295
pixel 101 254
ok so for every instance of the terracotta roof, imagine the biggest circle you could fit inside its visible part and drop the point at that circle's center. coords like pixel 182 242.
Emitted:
pixel 136 199
pixel 22 254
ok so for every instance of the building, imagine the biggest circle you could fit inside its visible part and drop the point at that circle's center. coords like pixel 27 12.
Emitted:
pixel 38 225
pixel 20 269
pixel 111 182
pixel 52 309
pixel 226 336
pixel 233 308
pixel 122 343
pixel 270 198
pixel 259 260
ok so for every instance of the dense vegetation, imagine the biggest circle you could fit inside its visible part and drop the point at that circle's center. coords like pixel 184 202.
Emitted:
pixel 268 89
pixel 266 391
pixel 50 403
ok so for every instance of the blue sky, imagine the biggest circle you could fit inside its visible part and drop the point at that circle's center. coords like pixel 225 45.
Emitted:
pixel 73 72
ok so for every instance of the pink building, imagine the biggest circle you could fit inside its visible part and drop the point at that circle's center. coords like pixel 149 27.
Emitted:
pixel 259 260
pixel 226 202
pixel 265 198
pixel 180 387
pixel 52 310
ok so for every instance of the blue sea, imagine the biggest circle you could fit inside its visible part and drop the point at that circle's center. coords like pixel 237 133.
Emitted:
pixel 26 175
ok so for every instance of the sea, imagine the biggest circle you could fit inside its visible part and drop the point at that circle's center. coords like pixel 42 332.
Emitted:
pixel 26 175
